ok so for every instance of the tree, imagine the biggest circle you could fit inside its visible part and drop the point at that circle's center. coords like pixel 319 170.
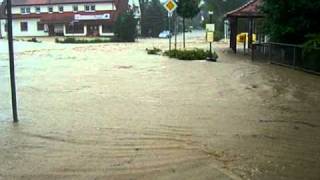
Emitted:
pixel 220 8
pixel 154 19
pixel 125 28
pixel 290 21
pixel 187 9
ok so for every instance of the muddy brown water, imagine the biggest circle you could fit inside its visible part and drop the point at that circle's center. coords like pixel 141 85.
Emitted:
pixel 109 111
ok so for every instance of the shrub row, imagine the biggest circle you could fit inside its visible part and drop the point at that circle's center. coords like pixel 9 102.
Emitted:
pixel 194 54
pixel 73 40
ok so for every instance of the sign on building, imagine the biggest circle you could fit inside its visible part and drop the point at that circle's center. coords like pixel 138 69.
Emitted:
pixel 92 17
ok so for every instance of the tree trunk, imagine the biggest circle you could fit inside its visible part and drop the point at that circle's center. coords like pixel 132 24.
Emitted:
pixel 184 30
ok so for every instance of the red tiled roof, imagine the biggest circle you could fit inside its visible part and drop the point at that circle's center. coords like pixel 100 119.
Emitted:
pixel 250 9
pixel 48 2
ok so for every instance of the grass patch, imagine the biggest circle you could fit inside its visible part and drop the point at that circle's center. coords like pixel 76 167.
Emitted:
pixel 194 54
pixel 71 40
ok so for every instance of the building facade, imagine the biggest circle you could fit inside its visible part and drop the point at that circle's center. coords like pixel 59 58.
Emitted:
pixel 35 18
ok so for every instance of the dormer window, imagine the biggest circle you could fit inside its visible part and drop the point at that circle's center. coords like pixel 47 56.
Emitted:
pixel 50 9
pixel 89 8
pixel 93 8
pixel 25 10
pixel 60 9
pixel 37 9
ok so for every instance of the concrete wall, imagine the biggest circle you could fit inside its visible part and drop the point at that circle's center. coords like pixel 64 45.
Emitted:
pixel 66 8
pixel 32 28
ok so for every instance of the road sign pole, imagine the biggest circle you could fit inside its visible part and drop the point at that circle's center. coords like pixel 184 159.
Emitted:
pixel 175 30
pixel 170 6
pixel 169 21
pixel 11 60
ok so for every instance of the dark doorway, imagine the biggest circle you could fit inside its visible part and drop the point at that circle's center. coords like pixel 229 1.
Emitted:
pixel 51 30
pixel 92 30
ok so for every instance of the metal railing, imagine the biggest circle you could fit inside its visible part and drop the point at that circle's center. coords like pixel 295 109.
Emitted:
pixel 289 55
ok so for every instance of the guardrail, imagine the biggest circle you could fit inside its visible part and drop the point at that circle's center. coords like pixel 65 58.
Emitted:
pixel 289 55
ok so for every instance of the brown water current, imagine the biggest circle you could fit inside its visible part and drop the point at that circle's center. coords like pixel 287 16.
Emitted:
pixel 110 111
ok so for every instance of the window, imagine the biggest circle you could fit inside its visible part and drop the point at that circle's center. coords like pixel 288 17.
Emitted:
pixel 50 9
pixel 75 29
pixel 89 8
pixel 60 9
pixel 93 7
pixel 28 10
pixel 75 8
pixel 24 26
pixel 25 10
pixel 38 10
pixel 40 26
pixel 106 28
pixel 6 27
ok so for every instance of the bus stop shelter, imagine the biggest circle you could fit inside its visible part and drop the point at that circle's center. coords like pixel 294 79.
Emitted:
pixel 248 11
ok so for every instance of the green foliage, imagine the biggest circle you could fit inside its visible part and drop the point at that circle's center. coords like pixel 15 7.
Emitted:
pixel 72 40
pixel 220 8
pixel 218 35
pixel 125 27
pixel 188 8
pixel 290 21
pixel 194 54
pixel 312 43
pixel 154 20
pixel 154 51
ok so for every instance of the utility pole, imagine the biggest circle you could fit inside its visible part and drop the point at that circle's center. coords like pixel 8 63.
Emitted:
pixel 176 30
pixel 11 60
pixel 170 34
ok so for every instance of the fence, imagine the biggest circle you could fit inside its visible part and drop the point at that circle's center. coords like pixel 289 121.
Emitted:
pixel 287 55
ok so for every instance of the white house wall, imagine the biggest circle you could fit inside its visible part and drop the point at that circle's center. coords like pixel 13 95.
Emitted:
pixel 32 28
pixel 2 24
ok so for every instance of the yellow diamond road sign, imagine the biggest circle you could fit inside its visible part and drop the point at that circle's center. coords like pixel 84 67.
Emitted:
pixel 170 6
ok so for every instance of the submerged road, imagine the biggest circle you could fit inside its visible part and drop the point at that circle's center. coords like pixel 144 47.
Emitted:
pixel 110 111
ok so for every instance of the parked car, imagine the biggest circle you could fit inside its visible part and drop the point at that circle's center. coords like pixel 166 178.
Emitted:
pixel 165 34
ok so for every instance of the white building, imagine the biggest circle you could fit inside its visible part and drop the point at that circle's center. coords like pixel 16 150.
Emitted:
pixel 62 17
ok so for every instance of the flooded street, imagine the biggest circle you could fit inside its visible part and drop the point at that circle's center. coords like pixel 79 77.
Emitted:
pixel 110 111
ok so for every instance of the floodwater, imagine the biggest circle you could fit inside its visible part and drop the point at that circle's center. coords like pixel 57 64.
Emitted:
pixel 110 111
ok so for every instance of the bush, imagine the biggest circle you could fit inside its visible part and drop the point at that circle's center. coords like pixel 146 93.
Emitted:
pixel 218 35
pixel 312 43
pixel 154 51
pixel 195 54
pixel 311 52
pixel 125 27
pixel 72 40
pixel 34 40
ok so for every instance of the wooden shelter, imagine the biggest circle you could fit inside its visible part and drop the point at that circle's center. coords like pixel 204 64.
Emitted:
pixel 248 11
